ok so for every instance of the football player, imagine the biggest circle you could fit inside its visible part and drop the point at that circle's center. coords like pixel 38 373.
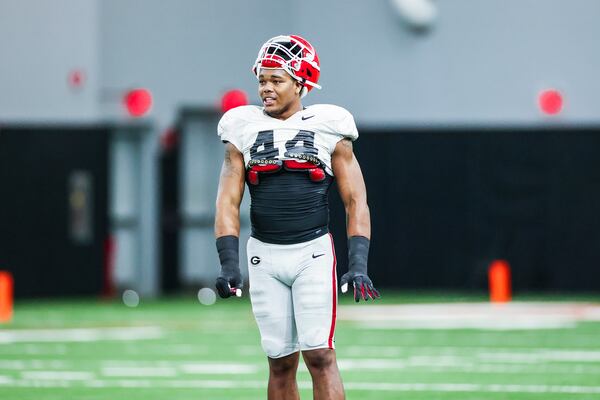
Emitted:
pixel 288 155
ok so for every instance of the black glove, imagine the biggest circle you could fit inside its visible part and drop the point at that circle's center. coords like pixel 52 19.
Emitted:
pixel 358 253
pixel 229 283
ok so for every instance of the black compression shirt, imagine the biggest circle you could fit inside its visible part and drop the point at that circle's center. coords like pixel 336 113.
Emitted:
pixel 287 207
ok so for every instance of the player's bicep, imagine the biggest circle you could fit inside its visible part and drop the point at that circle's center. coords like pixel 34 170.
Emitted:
pixel 348 174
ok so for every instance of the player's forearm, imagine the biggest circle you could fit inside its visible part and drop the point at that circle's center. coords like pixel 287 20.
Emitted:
pixel 358 219
pixel 227 220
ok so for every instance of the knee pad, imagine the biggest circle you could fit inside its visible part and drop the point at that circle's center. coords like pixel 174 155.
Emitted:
pixel 315 338
pixel 275 348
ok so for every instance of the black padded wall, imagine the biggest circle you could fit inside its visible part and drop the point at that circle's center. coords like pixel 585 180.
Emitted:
pixel 53 209
pixel 444 204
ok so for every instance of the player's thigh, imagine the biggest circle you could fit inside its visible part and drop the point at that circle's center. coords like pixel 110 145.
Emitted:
pixel 272 303
pixel 315 297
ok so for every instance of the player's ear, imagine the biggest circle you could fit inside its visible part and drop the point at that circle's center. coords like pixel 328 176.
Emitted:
pixel 298 87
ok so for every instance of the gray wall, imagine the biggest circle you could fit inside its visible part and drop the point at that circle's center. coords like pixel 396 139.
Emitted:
pixel 483 62
pixel 40 43
pixel 184 51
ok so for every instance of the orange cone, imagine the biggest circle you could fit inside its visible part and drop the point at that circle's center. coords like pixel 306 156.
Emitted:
pixel 499 281
pixel 6 296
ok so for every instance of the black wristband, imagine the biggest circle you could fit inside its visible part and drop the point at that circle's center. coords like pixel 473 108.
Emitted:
pixel 358 253
pixel 228 248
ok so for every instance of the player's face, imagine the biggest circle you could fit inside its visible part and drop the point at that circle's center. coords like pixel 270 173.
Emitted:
pixel 279 92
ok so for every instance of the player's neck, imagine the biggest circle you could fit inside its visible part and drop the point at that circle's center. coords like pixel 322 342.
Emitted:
pixel 288 112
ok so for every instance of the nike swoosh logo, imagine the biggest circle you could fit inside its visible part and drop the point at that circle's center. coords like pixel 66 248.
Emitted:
pixel 305 118
pixel 318 255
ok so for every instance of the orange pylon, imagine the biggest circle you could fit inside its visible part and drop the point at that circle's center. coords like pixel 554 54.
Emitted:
pixel 6 296
pixel 499 281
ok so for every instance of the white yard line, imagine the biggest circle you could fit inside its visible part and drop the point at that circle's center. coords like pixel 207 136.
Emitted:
pixel 217 368
pixel 483 316
pixel 57 375
pixel 164 372
pixel 80 334
pixel 430 364
pixel 6 380
pixel 136 363
pixel 479 324
pixel 155 368
pixel 367 364
pixel 543 356
pixel 468 387
pixel 13 364
pixel 567 370
pixel 261 384
pixel 531 362
pixel 434 355
pixel 179 349
pixel 32 364
pixel 458 364
pixel 362 350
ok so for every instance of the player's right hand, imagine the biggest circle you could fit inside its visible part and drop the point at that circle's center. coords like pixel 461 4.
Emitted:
pixel 229 283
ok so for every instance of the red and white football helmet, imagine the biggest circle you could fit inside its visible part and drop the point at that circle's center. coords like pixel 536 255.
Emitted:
pixel 293 54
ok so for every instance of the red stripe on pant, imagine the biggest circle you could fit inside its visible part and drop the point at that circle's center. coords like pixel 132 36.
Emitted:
pixel 334 295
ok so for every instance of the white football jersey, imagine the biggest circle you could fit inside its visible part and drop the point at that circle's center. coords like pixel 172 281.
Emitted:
pixel 308 134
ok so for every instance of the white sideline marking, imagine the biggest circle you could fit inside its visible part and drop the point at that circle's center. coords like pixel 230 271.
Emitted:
pixel 527 369
pixel 462 355
pixel 361 350
pixel 33 349
pixel 6 380
pixel 13 364
pixel 171 369
pixel 482 324
pixel 535 357
pixel 36 349
pixel 178 349
pixel 35 364
pixel 457 364
pixel 487 316
pixel 443 364
pixel 80 334
pixel 135 363
pixel 373 386
pixel 379 364
pixel 139 371
pixel 209 368
pixel 57 375
pixel 469 387
pixel 364 364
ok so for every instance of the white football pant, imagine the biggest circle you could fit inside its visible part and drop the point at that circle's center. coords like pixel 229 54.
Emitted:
pixel 293 289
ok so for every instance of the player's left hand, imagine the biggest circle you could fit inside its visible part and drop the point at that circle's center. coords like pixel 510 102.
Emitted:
pixel 363 287
pixel 358 252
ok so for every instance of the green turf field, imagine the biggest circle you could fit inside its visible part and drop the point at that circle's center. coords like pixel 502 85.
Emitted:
pixel 406 347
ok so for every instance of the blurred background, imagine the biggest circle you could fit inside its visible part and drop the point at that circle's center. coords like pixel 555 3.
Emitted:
pixel 479 125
